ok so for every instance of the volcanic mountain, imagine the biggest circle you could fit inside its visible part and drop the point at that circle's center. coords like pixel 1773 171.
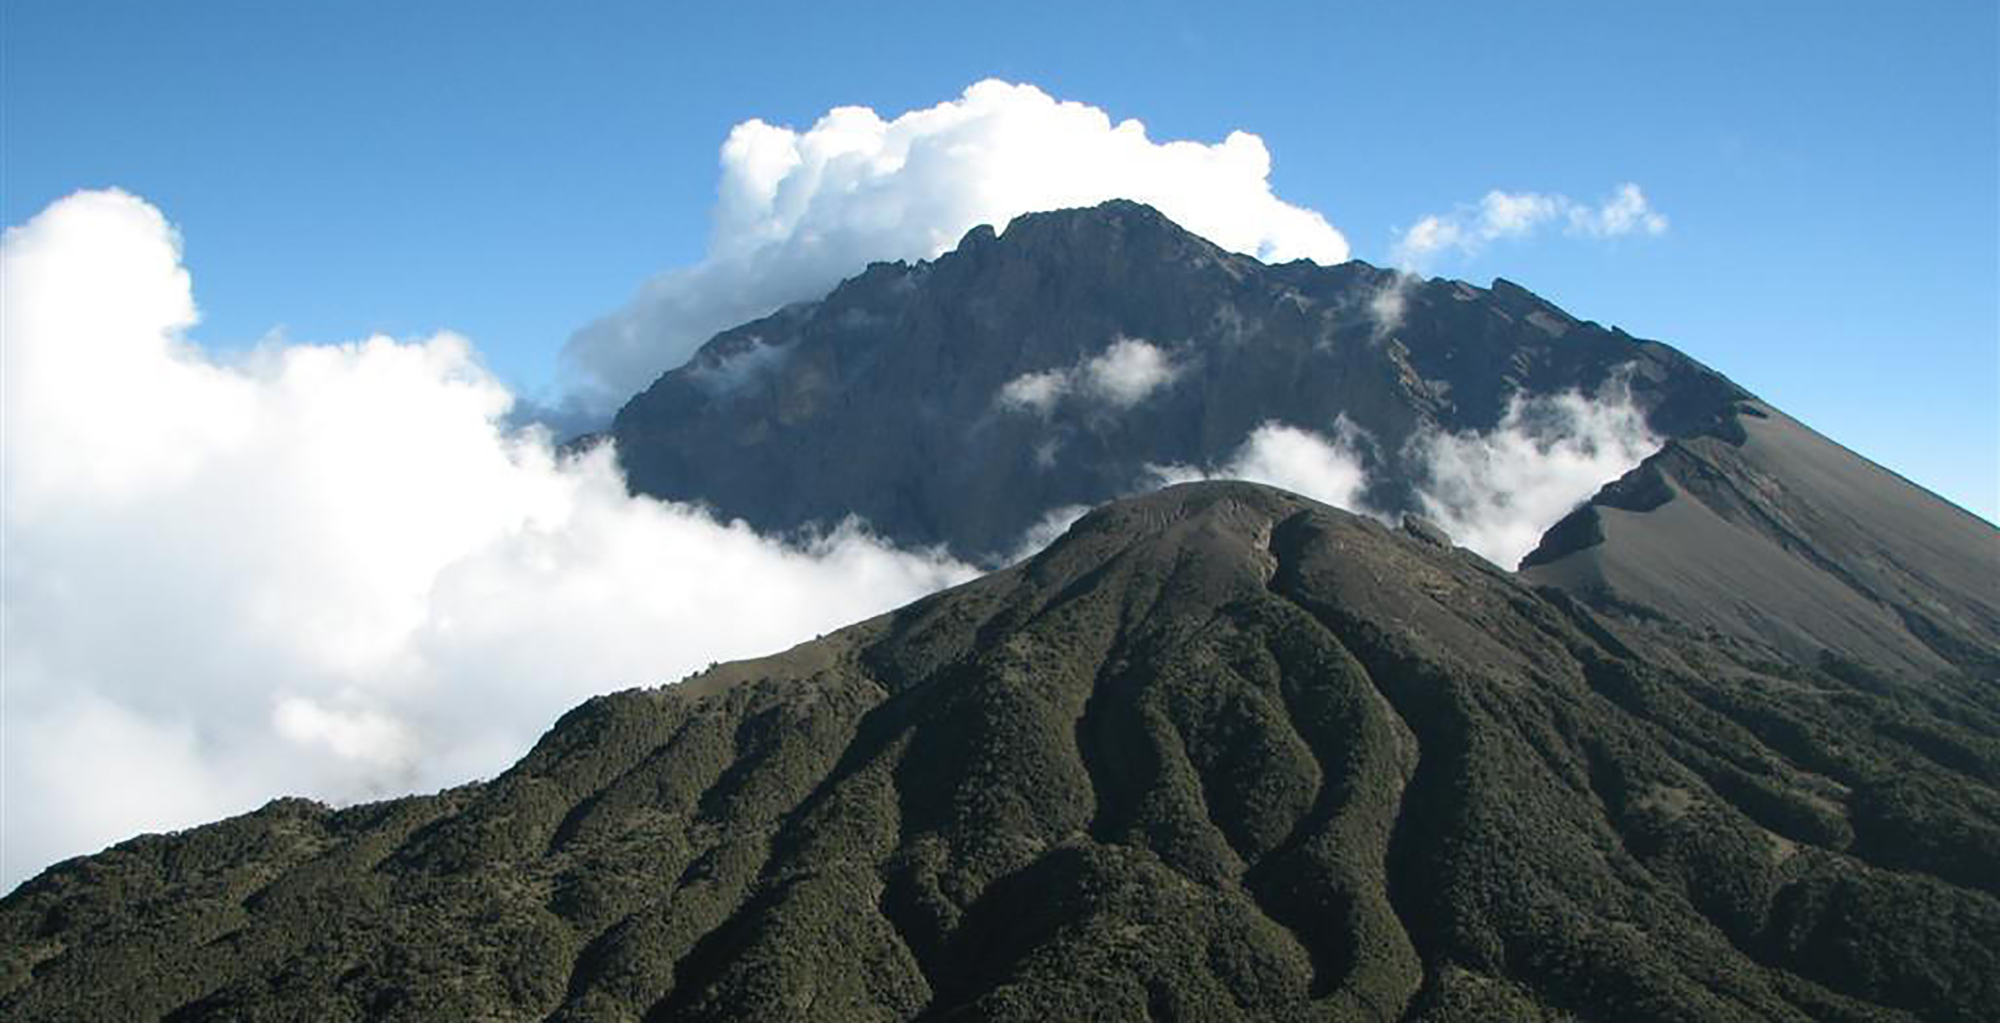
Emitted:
pixel 1055 364
pixel 1061 362
pixel 1726 747
pixel 1761 530
pixel 1218 753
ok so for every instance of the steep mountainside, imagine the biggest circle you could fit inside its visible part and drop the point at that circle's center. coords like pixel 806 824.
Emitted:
pixel 1762 530
pixel 1219 753
pixel 888 399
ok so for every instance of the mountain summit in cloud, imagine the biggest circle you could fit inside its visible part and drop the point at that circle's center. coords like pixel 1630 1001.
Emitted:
pixel 797 210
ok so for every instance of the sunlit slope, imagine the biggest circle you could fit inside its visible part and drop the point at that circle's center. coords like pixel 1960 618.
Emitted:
pixel 1764 531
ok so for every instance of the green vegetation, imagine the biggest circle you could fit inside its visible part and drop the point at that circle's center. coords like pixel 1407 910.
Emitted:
pixel 1219 754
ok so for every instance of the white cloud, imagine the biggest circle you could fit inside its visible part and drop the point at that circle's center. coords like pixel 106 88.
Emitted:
pixel 330 571
pixel 358 734
pixel 1389 301
pixel 1624 213
pixel 1494 492
pixel 798 210
pixel 1498 492
pixel 1326 469
pixel 1502 215
pixel 1127 372
pixel 1035 392
pixel 731 372
pixel 1046 530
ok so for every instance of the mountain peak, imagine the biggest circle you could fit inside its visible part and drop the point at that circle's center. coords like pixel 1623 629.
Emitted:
pixel 1109 223
pixel 900 398
pixel 1116 226
pixel 1119 212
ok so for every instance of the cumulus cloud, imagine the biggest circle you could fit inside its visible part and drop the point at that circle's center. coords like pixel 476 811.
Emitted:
pixel 1127 372
pixel 798 210
pixel 1497 492
pixel 1501 215
pixel 324 570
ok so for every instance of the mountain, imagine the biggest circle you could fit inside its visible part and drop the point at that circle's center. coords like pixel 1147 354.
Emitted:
pixel 1727 746
pixel 1217 753
pixel 890 400
pixel 1762 530
pixel 1125 342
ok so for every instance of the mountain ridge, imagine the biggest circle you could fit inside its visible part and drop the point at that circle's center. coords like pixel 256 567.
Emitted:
pixel 887 399
pixel 1763 529
pixel 958 402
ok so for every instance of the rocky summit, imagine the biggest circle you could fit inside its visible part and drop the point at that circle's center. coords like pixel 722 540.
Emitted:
pixel 1218 753
pixel 957 401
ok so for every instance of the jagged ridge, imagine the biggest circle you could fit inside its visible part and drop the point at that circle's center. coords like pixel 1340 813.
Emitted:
pixel 882 399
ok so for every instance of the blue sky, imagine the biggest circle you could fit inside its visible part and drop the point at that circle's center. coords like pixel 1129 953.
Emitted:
pixel 513 171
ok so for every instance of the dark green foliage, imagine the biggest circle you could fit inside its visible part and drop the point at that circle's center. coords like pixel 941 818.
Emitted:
pixel 1218 754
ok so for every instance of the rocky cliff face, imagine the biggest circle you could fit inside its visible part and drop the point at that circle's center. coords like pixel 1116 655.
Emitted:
pixel 1219 753
pixel 959 400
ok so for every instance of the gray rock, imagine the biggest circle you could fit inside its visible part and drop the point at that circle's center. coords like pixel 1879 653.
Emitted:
pixel 885 399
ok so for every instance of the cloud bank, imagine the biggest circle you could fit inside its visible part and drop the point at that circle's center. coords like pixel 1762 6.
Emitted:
pixel 796 211
pixel 323 570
